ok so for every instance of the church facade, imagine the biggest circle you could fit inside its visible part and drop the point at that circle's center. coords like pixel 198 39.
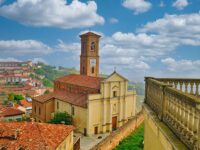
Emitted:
pixel 97 105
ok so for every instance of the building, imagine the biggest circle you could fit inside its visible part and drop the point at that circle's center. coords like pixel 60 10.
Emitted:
pixel 25 106
pixel 97 105
pixel 32 136
pixel 172 114
pixel 10 113
pixel 14 72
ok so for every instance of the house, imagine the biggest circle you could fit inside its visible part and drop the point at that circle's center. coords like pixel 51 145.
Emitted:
pixel 96 104
pixel 10 113
pixel 33 136
pixel 26 106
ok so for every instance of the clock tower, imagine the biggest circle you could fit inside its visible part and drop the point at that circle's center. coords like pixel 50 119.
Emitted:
pixel 89 59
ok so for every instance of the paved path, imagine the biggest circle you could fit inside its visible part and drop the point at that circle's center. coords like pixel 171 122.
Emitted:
pixel 87 143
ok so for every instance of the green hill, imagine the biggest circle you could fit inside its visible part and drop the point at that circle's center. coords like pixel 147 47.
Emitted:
pixel 49 73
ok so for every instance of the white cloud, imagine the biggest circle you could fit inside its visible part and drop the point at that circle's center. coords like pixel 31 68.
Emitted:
pixel 36 60
pixel 23 47
pixel 113 20
pixel 138 6
pixel 72 47
pixel 53 13
pixel 9 59
pixel 176 29
pixel 181 65
pixel 152 42
pixel 180 4
pixel 162 4
pixel 1 2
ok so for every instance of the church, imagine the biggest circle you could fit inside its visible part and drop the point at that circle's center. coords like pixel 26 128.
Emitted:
pixel 96 104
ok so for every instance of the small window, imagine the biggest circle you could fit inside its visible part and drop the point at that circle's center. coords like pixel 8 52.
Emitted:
pixel 114 93
pixel 92 70
pixel 83 48
pixel 93 46
pixel 39 111
pixel 83 70
pixel 72 110
pixel 70 89
pixel 57 105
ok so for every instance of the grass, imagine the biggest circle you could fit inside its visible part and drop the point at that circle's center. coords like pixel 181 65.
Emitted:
pixel 133 141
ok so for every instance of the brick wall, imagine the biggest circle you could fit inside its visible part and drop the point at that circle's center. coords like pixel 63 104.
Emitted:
pixel 115 137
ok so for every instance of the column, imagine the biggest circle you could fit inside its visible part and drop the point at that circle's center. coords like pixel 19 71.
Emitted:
pixel 110 127
pixel 120 105
pixel 104 116
pixel 197 89
pixel 110 107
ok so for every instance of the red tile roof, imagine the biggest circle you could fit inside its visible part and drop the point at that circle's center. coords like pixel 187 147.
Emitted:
pixel 10 111
pixel 32 135
pixel 72 98
pixel 25 103
pixel 81 80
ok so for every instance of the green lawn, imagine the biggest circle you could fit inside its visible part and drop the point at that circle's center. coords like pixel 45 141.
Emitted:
pixel 133 141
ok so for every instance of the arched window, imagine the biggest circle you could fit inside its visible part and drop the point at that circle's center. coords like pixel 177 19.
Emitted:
pixel 93 46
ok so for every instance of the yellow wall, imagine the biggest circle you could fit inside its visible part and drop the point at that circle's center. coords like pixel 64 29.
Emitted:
pixel 157 135
pixel 67 144
pixel 46 110
pixel 102 107
pixel 79 117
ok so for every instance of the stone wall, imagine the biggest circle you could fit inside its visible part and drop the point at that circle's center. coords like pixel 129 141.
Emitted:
pixel 115 137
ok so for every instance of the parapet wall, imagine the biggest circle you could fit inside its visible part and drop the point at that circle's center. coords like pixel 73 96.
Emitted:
pixel 115 137
pixel 157 135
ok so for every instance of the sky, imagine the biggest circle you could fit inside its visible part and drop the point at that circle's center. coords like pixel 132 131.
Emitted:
pixel 159 38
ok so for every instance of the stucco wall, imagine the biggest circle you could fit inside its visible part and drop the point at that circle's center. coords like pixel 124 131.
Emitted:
pixel 157 135
pixel 115 137
pixel 67 144
pixel 104 106
pixel 13 117
pixel 46 110
pixel 79 117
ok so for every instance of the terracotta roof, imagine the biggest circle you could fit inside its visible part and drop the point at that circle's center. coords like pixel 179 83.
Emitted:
pixel 25 103
pixel 32 135
pixel 72 98
pixel 90 33
pixel 81 80
pixel 10 111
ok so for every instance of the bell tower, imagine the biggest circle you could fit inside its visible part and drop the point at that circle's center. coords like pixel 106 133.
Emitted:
pixel 89 59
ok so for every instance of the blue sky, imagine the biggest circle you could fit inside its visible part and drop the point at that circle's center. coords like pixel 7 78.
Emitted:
pixel 139 37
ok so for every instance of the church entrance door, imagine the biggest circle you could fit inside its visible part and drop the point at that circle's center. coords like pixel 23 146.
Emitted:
pixel 114 123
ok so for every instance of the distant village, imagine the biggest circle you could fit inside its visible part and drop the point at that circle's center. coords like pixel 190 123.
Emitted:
pixel 17 87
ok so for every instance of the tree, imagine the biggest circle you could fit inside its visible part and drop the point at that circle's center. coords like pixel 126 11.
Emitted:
pixel 47 82
pixel 17 98
pixel 5 102
pixel 14 97
pixel 61 117
pixel 46 92
pixel 11 97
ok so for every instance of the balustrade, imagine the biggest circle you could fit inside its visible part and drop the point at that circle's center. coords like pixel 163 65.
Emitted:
pixel 190 86
pixel 176 102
